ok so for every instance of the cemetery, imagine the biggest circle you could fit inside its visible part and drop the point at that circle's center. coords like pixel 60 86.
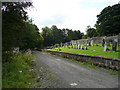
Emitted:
pixel 44 45
pixel 100 51
pixel 99 46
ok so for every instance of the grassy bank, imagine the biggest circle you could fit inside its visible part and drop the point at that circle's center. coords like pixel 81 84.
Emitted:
pixel 92 50
pixel 16 73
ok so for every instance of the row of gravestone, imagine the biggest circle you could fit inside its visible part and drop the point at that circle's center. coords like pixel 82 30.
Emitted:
pixel 113 41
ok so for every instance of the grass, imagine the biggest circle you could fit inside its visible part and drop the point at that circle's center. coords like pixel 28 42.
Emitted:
pixel 16 74
pixel 92 50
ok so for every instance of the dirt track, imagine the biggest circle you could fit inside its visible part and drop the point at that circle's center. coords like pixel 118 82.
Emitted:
pixel 73 75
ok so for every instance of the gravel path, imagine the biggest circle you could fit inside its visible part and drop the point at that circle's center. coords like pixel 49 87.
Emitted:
pixel 73 75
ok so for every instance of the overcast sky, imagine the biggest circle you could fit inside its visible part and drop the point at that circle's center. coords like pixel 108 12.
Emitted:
pixel 72 14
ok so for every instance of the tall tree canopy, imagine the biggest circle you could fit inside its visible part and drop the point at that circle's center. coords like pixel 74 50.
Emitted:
pixel 16 29
pixel 108 22
pixel 91 32
pixel 54 35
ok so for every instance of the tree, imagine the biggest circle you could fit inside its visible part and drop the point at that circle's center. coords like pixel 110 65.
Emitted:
pixel 91 32
pixel 108 22
pixel 31 37
pixel 47 35
pixel 85 36
pixel 54 35
pixel 17 31
pixel 13 17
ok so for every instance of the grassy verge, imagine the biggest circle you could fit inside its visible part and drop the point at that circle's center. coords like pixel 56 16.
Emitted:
pixel 16 73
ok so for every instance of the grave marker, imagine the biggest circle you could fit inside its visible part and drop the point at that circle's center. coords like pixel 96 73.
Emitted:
pixel 114 46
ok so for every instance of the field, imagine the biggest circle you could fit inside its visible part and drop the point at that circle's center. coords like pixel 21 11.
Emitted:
pixel 92 50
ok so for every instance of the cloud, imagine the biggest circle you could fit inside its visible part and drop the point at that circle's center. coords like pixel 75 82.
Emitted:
pixel 73 14
pixel 56 19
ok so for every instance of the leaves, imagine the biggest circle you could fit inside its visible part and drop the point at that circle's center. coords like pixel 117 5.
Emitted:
pixel 108 22
pixel 54 35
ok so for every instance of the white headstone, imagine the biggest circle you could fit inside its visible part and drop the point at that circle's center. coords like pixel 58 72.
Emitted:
pixel 105 48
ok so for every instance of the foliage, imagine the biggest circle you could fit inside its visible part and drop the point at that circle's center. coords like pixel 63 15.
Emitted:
pixel 84 36
pixel 91 32
pixel 17 29
pixel 16 74
pixel 16 8
pixel 31 37
pixel 108 22
pixel 54 35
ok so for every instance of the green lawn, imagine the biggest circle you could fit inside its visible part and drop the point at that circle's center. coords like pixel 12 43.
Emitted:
pixel 92 50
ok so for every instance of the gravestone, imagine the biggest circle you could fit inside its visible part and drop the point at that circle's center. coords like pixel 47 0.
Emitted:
pixel 108 42
pixel 82 48
pixel 89 44
pixel 92 43
pixel 103 42
pixel 78 46
pixel 61 44
pixel 105 48
pixel 114 46
pixel 59 48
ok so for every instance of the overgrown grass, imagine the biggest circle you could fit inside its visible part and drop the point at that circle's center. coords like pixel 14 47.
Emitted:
pixel 92 50
pixel 16 74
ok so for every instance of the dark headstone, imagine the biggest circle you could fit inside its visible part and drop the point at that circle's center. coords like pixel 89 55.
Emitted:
pixel 89 44
pixel 114 46
pixel 103 42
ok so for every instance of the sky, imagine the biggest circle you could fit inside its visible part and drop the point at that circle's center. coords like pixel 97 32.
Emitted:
pixel 71 14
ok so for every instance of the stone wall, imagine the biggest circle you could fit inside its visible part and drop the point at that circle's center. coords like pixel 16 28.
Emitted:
pixel 108 63
pixel 97 40
pixel 113 41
